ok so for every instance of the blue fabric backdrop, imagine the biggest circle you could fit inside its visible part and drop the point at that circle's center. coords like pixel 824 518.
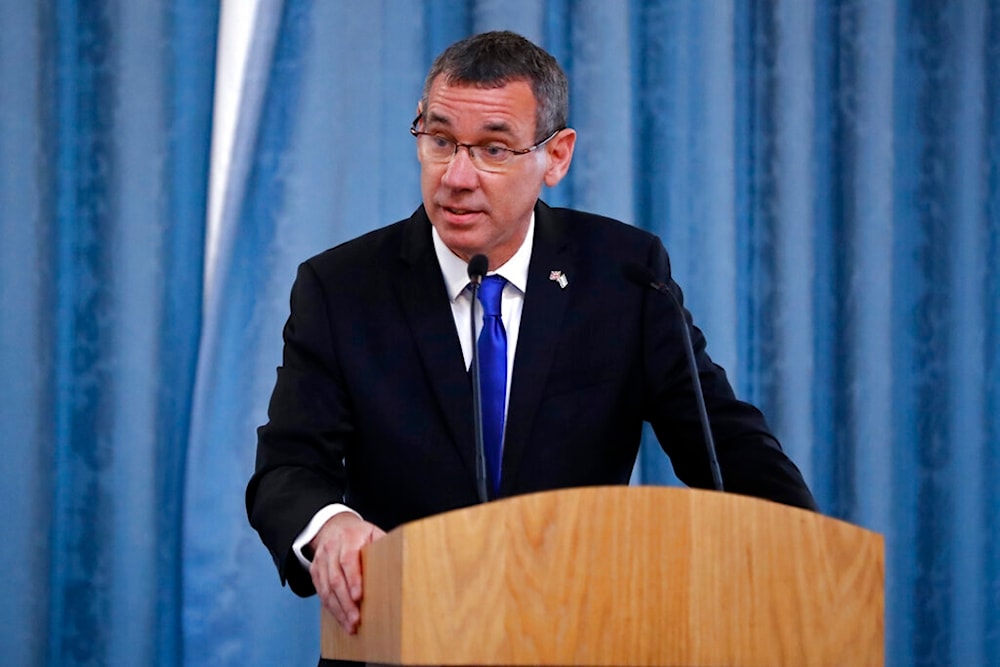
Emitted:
pixel 105 112
pixel 825 174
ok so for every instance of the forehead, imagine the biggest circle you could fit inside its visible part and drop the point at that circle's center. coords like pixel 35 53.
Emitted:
pixel 506 109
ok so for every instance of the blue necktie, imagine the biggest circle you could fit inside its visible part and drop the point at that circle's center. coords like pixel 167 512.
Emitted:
pixel 493 374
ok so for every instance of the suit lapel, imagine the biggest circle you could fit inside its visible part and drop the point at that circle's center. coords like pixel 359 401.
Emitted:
pixel 545 303
pixel 428 312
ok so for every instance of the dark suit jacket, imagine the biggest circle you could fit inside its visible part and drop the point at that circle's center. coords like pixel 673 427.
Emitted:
pixel 373 403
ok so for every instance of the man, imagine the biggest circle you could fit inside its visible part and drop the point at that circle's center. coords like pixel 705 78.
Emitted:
pixel 370 424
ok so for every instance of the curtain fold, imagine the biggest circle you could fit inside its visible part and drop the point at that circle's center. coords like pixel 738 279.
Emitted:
pixel 825 176
pixel 107 109
pixel 235 611
pixel 26 389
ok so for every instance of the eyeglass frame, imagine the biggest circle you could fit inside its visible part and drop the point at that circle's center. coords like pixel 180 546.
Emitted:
pixel 513 151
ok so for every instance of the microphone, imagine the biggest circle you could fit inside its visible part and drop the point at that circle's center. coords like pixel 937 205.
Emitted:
pixel 478 266
pixel 643 277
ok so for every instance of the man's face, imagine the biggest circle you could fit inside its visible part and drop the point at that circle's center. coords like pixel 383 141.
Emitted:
pixel 476 211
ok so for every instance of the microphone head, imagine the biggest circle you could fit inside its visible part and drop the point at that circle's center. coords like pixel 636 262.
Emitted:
pixel 642 276
pixel 639 274
pixel 478 266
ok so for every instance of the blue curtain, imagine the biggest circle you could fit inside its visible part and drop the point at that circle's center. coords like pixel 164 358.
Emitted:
pixel 105 116
pixel 824 173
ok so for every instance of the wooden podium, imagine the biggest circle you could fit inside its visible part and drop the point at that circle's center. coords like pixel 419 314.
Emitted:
pixel 620 576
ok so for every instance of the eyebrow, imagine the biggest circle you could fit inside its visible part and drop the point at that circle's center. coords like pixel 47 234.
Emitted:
pixel 499 126
pixel 436 118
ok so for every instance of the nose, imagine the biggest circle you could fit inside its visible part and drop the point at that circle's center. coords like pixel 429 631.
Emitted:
pixel 461 173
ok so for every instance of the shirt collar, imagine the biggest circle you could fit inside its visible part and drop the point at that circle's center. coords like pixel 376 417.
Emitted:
pixel 456 270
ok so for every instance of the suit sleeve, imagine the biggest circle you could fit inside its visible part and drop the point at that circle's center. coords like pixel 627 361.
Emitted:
pixel 301 449
pixel 751 460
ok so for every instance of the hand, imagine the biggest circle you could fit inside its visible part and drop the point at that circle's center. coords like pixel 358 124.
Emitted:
pixel 336 565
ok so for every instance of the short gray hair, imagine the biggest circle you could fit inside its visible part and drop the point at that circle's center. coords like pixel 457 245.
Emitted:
pixel 494 59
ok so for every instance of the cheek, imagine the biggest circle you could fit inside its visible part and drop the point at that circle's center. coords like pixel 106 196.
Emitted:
pixel 429 181
pixel 426 175
pixel 515 194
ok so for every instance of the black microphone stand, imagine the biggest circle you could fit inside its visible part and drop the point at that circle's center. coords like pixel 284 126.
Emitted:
pixel 643 276
pixel 478 266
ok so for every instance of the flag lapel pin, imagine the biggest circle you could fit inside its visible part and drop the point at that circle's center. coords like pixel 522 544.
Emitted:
pixel 559 277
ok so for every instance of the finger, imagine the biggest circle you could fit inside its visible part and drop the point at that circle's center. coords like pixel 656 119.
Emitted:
pixel 341 590
pixel 325 572
pixel 350 563
pixel 332 603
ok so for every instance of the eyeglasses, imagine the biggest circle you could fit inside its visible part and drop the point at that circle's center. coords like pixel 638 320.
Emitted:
pixel 485 157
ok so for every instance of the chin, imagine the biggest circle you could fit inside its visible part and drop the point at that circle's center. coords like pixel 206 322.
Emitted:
pixel 463 250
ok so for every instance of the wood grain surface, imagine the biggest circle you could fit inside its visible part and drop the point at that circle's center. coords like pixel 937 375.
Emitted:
pixel 621 576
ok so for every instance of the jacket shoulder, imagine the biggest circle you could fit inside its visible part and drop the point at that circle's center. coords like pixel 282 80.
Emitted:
pixel 603 234
pixel 372 252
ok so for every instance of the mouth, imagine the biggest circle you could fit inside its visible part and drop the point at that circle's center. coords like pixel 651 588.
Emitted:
pixel 455 214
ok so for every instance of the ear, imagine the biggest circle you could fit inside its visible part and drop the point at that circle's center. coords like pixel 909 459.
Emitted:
pixel 560 153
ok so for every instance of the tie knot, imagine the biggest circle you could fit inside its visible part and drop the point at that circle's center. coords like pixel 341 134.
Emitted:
pixel 489 295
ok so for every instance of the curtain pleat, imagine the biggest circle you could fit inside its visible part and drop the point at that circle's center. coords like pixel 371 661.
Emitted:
pixel 107 172
pixel 234 610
